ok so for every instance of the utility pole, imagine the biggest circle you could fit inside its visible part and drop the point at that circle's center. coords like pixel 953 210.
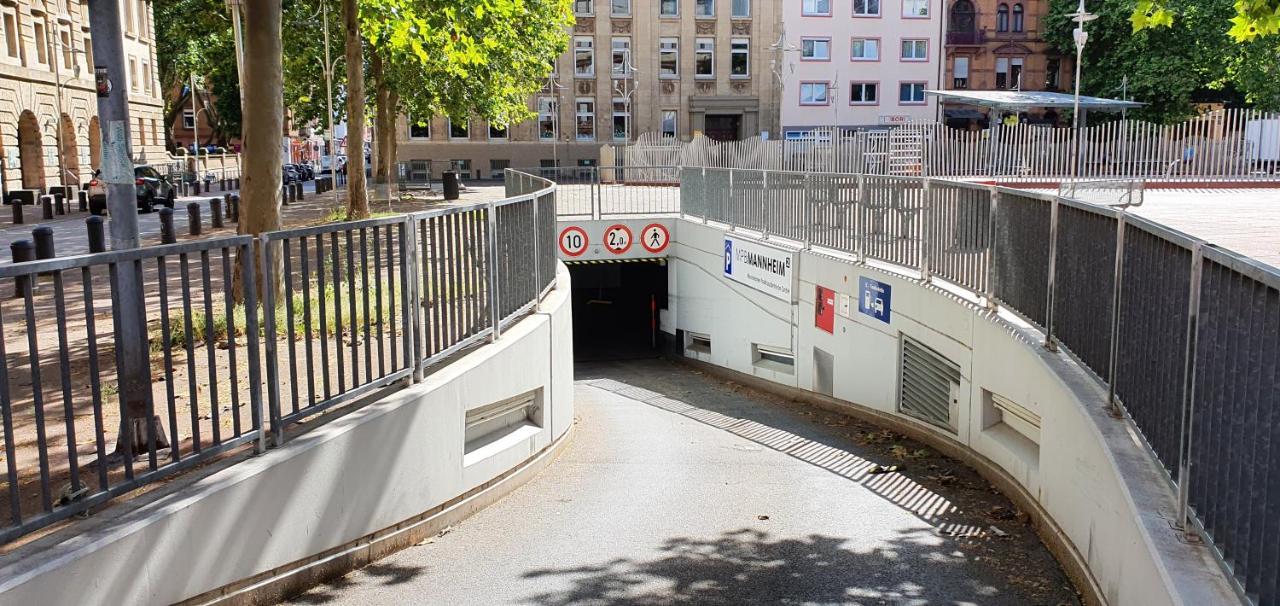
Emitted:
pixel 134 371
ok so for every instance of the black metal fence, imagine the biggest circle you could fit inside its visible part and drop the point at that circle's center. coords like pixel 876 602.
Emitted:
pixel 1185 335
pixel 345 310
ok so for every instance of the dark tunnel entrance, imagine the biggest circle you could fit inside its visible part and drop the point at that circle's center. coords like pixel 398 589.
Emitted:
pixel 616 307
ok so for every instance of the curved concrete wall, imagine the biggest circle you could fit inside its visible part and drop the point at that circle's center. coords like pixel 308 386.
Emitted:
pixel 1099 497
pixel 334 494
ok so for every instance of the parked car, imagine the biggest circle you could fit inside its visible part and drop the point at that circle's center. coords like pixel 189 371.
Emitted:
pixel 289 174
pixel 305 171
pixel 153 188
pixel 97 191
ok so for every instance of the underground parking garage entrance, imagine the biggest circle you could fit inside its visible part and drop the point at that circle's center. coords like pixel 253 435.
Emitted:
pixel 615 308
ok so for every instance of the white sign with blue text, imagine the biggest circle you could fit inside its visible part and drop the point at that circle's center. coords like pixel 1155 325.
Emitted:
pixel 764 268
pixel 874 298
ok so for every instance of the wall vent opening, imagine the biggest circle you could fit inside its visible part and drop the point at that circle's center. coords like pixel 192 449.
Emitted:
pixel 929 388
pixel 513 418
pixel 773 358
pixel 698 342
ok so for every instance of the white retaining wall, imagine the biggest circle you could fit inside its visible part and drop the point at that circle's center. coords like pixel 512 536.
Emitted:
pixel 1096 487
pixel 361 473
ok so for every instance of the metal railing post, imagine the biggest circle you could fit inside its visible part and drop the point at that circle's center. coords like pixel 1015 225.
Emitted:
pixel 991 248
pixel 732 218
pixel 810 210
pixel 268 273
pixel 925 201
pixel 1188 391
pixel 595 194
pixel 764 206
pixel 1113 405
pixel 495 315
pixel 250 278
pixel 536 252
pixel 1049 342
pixel 704 204
pixel 860 196
pixel 411 303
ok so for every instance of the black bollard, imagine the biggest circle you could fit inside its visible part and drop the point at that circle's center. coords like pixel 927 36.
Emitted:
pixel 23 251
pixel 84 200
pixel 300 192
pixel 285 193
pixel 227 208
pixel 235 208
pixel 167 234
pixel 46 207
pixel 17 211
pixel 43 236
pixel 215 211
pixel 193 218
pixel 97 235
pixel 59 203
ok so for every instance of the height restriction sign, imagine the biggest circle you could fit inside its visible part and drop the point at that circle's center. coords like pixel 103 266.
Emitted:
pixel 573 241
pixel 617 239
pixel 655 237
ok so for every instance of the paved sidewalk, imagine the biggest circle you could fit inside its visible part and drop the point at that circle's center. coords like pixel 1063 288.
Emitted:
pixel 1246 221
pixel 710 493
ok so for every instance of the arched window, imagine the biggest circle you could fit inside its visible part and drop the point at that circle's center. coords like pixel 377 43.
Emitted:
pixel 962 16
pixel 1017 17
pixel 1002 18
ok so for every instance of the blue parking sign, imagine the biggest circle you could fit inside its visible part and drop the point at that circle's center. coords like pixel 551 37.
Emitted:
pixel 874 298
pixel 728 257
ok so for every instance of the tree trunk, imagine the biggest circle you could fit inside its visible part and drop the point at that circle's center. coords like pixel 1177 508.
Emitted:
pixel 393 102
pixel 380 97
pixel 357 195
pixel 263 123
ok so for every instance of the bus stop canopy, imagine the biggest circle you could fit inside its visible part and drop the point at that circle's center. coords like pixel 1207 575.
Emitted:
pixel 1015 100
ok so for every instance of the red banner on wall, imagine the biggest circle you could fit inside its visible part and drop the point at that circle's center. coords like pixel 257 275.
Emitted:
pixel 824 310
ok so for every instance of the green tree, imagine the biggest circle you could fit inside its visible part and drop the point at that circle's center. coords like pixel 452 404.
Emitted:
pixel 194 37
pixel 1166 67
pixel 1253 18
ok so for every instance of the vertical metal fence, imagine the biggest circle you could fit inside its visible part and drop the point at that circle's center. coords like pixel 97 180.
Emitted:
pixel 345 310
pixel 1185 335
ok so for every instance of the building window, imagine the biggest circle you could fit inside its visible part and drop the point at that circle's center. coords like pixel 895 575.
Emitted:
pixel 1017 17
pixel 66 50
pixel 42 45
pixel 1051 78
pixel 146 75
pixel 813 93
pixel 866 8
pixel 142 19
pixel 914 9
pixel 546 119
pixel 739 58
pixel 155 131
pixel 584 56
pixel 864 49
pixel 189 120
pixel 133 74
pixel 915 50
pixel 960 73
pixel 128 17
pixel 704 8
pixel 419 130
pixel 11 33
pixel 741 8
pixel 497 167
pixel 704 52
pixel 586 119
pixel 621 57
pixel 816 8
pixel 497 132
pixel 669 117
pixel 459 129
pixel 911 93
pixel 963 17
pixel 864 93
pixel 582 7
pixel 620 8
pixel 1002 18
pixel 669 8
pixel 621 119
pixel 669 57
pixel 1008 72
pixel 815 49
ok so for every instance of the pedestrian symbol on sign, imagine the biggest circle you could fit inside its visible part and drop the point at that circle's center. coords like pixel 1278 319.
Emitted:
pixel 655 237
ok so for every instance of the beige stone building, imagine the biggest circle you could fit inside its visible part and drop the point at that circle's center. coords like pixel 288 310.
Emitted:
pixel 666 67
pixel 46 91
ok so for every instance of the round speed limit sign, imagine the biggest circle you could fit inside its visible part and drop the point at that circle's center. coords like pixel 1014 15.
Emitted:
pixel 617 239
pixel 573 241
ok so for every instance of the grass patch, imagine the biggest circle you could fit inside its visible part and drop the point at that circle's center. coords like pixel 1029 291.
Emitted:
pixel 339 215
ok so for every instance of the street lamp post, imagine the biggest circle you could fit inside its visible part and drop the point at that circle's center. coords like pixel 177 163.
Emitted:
pixel 54 50
pixel 554 86
pixel 1081 37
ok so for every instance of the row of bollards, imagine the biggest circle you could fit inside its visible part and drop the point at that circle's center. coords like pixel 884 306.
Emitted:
pixel 50 205
pixel 199 186
pixel 195 222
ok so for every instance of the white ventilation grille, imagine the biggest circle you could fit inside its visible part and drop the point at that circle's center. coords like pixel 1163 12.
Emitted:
pixel 930 384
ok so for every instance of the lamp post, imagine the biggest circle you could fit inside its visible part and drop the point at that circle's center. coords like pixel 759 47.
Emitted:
pixel 780 49
pixel 1081 37
pixel 626 88
pixel 553 87
pixel 234 6
pixel 54 50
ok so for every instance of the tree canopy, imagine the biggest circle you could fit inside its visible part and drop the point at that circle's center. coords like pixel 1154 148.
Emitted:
pixel 1170 67
pixel 1253 18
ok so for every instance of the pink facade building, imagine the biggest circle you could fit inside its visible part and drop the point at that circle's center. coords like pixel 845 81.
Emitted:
pixel 858 63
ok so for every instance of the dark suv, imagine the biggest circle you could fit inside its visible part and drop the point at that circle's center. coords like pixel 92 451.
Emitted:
pixel 153 188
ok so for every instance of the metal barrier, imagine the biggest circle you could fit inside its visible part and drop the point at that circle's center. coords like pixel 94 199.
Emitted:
pixel 1185 335
pixel 590 192
pixel 346 310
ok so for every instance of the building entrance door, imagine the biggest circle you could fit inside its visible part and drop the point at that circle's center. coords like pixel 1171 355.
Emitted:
pixel 722 127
